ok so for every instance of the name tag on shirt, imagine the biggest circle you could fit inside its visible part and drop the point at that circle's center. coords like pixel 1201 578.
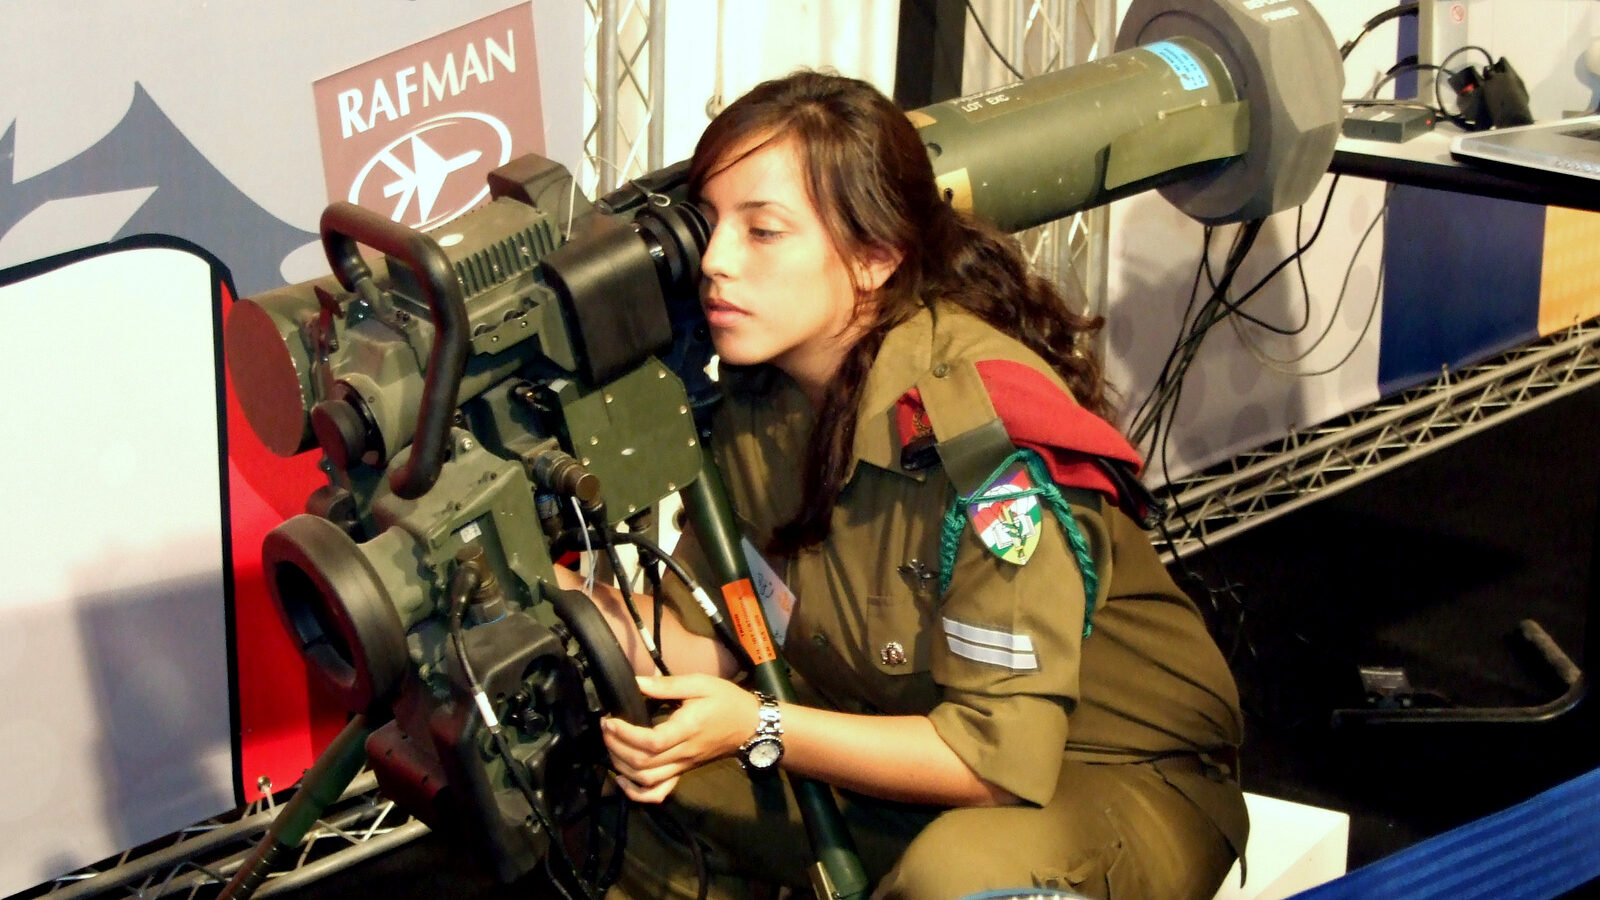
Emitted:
pixel 777 601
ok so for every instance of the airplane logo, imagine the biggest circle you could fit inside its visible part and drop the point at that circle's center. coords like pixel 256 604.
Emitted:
pixel 434 173
pixel 423 181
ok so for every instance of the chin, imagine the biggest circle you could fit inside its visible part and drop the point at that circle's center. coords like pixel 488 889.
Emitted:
pixel 734 355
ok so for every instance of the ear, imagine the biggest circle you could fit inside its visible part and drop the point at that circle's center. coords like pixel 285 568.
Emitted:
pixel 874 266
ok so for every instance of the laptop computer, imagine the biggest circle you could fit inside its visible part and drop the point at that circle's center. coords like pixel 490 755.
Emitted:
pixel 1566 147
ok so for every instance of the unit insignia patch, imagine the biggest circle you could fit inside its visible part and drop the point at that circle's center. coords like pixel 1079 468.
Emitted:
pixel 1007 515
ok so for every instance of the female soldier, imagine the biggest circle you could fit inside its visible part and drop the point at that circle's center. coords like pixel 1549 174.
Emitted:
pixel 1001 681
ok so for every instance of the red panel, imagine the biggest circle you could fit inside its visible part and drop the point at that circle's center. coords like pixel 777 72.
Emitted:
pixel 283 721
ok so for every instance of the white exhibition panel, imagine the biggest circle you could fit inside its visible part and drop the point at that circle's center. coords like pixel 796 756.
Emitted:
pixel 113 637
pixel 1249 387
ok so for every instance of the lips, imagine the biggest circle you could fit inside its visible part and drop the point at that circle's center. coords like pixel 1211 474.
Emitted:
pixel 721 314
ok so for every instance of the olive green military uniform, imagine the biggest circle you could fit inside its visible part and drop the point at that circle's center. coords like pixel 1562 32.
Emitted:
pixel 1116 743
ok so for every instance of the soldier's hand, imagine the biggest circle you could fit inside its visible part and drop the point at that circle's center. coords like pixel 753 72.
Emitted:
pixel 713 718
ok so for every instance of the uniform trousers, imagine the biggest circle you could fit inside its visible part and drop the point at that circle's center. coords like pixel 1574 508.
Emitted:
pixel 1116 831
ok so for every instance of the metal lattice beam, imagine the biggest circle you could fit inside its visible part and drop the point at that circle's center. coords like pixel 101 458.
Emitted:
pixel 1259 486
pixel 623 82
pixel 196 861
pixel 1046 35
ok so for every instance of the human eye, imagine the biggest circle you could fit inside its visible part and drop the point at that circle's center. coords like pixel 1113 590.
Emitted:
pixel 764 235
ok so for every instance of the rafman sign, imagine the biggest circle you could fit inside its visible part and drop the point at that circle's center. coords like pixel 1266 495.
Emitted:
pixel 413 133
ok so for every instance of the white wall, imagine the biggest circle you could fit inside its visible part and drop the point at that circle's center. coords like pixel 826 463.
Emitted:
pixel 758 41
pixel 230 77
pixel 194 120
pixel 1545 42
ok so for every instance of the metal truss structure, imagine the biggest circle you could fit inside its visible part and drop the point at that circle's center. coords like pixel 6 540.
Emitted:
pixel 1039 36
pixel 624 77
pixel 1256 487
pixel 198 861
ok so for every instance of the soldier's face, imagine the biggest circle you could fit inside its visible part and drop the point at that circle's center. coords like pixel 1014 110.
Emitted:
pixel 774 288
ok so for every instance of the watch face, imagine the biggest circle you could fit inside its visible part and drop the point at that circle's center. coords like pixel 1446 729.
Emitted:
pixel 764 753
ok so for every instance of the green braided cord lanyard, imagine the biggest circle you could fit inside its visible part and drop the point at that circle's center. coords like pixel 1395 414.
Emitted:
pixel 955 520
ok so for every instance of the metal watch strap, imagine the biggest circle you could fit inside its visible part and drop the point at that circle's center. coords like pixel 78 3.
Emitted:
pixel 769 731
pixel 768 719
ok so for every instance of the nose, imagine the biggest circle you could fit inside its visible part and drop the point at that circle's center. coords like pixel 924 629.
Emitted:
pixel 718 259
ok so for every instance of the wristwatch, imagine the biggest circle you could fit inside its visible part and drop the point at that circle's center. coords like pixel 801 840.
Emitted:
pixel 762 752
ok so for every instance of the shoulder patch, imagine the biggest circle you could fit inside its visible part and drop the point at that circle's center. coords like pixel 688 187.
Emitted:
pixel 1007 516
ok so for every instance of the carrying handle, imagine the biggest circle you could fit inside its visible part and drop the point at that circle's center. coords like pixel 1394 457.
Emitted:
pixel 344 227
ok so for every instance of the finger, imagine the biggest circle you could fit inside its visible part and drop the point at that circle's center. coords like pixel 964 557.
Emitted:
pixel 626 748
pixel 638 738
pixel 625 760
pixel 641 794
pixel 648 749
pixel 676 739
pixel 659 793
pixel 677 687
pixel 652 776
pixel 629 788
pixel 646 769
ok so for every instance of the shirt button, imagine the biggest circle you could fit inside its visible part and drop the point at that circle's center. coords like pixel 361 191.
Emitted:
pixel 819 639
pixel 941 370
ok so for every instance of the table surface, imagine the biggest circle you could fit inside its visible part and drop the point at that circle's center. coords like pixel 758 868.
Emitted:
pixel 1425 161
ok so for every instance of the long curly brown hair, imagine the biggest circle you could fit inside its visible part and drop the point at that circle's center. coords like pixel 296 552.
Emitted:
pixel 870 179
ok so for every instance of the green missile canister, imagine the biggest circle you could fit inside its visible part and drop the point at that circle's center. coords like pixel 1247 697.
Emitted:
pixel 1230 108
pixel 1036 150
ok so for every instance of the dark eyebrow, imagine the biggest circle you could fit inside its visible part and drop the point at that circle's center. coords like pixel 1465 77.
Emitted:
pixel 752 205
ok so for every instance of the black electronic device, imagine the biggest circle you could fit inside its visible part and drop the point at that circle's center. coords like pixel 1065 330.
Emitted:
pixel 1392 123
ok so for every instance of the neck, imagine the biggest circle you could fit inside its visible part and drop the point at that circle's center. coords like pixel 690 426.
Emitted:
pixel 813 382
pixel 813 369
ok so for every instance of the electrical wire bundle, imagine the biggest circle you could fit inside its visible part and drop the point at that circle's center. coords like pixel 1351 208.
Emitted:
pixel 1463 81
pixel 651 558
pixel 1287 365
pixel 463 583
pixel 1443 75
pixel 1212 300
pixel 1151 424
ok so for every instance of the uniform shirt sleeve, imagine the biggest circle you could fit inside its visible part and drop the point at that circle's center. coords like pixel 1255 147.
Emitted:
pixel 1006 650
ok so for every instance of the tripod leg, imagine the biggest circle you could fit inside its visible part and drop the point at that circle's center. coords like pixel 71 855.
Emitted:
pixel 322 784
pixel 838 874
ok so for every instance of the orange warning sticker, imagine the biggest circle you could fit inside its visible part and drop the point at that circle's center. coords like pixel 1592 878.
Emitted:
pixel 744 608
